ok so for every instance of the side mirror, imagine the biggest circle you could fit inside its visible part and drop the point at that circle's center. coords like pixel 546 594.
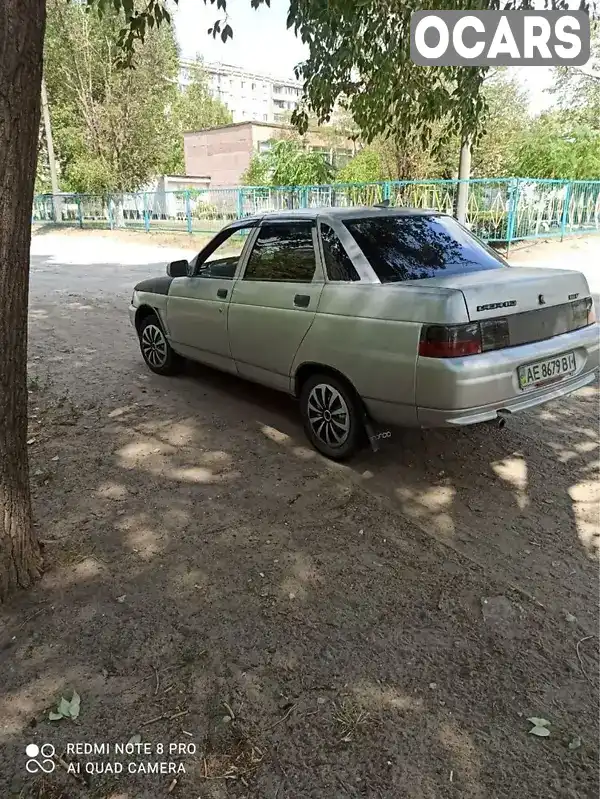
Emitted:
pixel 178 268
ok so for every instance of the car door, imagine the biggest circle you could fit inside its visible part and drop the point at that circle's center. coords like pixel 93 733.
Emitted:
pixel 197 306
pixel 274 301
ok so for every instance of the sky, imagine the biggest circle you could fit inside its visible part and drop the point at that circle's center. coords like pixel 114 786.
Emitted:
pixel 261 42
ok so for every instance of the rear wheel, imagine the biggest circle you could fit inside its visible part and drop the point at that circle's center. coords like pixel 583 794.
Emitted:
pixel 156 350
pixel 332 416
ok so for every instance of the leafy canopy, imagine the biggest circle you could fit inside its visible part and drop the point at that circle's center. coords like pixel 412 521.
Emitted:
pixel 288 163
pixel 359 52
pixel 115 129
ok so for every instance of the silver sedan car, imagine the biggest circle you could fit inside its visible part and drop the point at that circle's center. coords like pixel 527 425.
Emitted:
pixel 372 316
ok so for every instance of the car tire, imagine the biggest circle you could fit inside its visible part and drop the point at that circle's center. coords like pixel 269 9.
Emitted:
pixel 332 415
pixel 158 354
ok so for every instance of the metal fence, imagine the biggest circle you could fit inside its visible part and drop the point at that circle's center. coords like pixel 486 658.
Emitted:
pixel 500 210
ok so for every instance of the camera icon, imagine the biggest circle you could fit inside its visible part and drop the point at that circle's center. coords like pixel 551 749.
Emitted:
pixel 41 758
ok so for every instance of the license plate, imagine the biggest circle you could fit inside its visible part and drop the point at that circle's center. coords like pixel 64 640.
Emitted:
pixel 536 374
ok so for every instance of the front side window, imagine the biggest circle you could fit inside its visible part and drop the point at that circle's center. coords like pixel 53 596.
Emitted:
pixel 337 261
pixel 223 254
pixel 283 252
pixel 414 247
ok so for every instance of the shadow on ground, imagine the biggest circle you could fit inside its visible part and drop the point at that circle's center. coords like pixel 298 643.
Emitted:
pixel 381 629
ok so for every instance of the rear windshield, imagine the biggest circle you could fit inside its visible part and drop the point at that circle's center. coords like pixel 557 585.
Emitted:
pixel 417 247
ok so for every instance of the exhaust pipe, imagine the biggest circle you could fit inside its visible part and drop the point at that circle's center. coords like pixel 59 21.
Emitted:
pixel 501 418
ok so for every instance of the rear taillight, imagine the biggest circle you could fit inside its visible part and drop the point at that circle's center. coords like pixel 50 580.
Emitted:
pixel 454 341
pixel 450 341
pixel 583 312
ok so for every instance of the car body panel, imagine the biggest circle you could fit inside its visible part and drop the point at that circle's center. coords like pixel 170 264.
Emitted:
pixel 369 332
pixel 267 325
pixel 197 319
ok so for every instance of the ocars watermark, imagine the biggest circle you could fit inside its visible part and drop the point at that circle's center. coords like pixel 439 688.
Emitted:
pixel 500 38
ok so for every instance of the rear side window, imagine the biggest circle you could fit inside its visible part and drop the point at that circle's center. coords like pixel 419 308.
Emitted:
pixel 337 261
pixel 416 247
pixel 283 252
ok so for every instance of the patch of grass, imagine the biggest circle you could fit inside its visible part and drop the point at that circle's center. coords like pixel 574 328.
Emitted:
pixel 351 718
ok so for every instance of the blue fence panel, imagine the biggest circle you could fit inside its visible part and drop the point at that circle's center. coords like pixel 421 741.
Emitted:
pixel 502 210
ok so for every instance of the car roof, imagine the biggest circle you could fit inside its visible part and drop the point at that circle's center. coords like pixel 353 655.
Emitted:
pixel 355 212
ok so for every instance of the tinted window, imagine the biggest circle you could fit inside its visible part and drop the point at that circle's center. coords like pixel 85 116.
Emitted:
pixel 283 252
pixel 339 266
pixel 416 247
pixel 223 254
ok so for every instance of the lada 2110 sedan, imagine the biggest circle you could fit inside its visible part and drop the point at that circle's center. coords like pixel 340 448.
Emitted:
pixel 372 316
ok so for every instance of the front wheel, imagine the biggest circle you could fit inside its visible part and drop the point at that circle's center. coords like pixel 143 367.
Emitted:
pixel 156 350
pixel 332 416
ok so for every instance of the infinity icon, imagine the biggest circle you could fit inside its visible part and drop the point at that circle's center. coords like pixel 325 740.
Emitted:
pixel 47 765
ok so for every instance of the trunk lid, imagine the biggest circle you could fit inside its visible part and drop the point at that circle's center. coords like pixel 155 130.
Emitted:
pixel 537 303
pixel 514 290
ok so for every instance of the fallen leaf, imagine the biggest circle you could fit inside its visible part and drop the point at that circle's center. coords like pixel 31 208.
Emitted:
pixel 135 739
pixel 55 716
pixel 575 743
pixel 64 707
pixel 539 722
pixel 74 705
pixel 541 732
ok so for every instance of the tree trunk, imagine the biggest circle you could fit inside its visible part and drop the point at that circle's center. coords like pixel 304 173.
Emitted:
pixel 21 50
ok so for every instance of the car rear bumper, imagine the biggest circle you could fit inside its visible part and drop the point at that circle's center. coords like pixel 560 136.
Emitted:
pixel 480 388
pixel 432 417
pixel 132 313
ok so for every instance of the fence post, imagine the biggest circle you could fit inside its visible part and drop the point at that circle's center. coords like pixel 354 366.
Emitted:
pixel 111 218
pixel 565 211
pixel 513 205
pixel 146 216
pixel 386 190
pixel 188 211
pixel 240 203
pixel 79 212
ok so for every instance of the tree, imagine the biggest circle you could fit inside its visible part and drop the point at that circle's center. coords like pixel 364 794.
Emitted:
pixel 558 146
pixel 21 48
pixel 365 167
pixel 504 124
pixel 288 163
pixel 194 108
pixel 111 126
pixel 355 51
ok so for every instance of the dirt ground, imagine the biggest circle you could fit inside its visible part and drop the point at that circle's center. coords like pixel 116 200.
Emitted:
pixel 302 629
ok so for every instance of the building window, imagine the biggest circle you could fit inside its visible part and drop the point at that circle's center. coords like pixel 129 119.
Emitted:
pixel 241 84
pixel 265 117
pixel 253 86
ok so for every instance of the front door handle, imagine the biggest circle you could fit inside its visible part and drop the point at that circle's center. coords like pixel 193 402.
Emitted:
pixel 302 300
pixel 222 293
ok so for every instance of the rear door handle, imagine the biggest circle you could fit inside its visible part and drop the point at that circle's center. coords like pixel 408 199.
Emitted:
pixel 302 300
pixel 222 293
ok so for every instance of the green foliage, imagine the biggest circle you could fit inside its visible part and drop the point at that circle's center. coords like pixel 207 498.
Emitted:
pixel 288 163
pixel 360 52
pixel 504 125
pixel 194 108
pixel 257 172
pixel 115 129
pixel 557 146
pixel 365 167
pixel 110 127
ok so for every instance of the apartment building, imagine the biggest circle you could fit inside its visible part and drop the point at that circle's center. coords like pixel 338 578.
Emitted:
pixel 249 96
